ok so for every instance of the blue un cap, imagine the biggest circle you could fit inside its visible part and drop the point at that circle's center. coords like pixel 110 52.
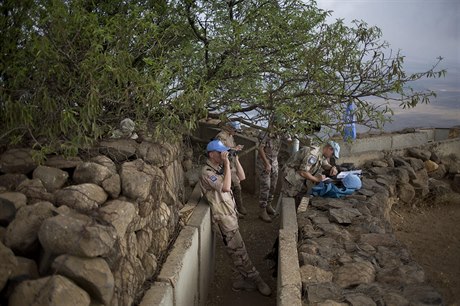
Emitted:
pixel 216 145
pixel 336 148
pixel 236 125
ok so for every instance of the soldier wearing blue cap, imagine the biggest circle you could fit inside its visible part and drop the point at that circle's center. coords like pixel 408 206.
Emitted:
pixel 305 168
pixel 215 184
pixel 226 136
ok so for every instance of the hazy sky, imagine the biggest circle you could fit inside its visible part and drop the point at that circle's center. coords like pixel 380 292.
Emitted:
pixel 422 30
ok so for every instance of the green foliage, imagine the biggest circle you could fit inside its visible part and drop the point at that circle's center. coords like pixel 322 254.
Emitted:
pixel 71 70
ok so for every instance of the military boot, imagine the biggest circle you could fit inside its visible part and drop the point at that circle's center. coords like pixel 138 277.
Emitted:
pixel 243 285
pixel 270 210
pixel 262 286
pixel 264 215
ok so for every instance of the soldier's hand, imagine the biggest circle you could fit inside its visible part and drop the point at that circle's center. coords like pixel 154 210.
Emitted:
pixel 268 168
pixel 333 171
pixel 224 156
pixel 239 147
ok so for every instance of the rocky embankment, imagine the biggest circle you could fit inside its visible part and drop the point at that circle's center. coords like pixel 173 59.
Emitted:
pixel 348 253
pixel 81 232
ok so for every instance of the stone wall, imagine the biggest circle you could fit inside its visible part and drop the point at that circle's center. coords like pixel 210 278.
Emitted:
pixel 91 230
pixel 348 253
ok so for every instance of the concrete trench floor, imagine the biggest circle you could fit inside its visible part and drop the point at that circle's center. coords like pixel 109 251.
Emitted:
pixel 259 238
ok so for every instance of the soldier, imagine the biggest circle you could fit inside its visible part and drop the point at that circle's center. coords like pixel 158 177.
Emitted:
pixel 305 168
pixel 226 136
pixel 215 183
pixel 267 166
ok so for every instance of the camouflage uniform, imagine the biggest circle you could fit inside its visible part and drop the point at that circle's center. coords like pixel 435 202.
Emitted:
pixel 309 159
pixel 228 140
pixel 225 221
pixel 272 145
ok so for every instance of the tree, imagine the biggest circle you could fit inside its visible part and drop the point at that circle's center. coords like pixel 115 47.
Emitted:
pixel 269 58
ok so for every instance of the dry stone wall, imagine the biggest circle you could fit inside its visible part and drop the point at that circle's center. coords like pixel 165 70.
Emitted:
pixel 348 253
pixel 92 231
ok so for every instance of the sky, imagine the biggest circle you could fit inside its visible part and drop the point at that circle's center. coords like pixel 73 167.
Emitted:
pixel 422 30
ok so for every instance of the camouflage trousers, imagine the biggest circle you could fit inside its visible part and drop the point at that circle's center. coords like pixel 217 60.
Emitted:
pixel 236 249
pixel 268 183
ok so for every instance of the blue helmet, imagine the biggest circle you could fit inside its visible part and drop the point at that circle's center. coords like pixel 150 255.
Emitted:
pixel 236 125
pixel 336 148
pixel 216 145
pixel 352 181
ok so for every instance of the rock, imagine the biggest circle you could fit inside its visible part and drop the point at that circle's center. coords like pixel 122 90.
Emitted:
pixel 331 303
pixel 359 299
pixel 406 193
pixel 379 163
pixel 156 154
pixel 105 161
pixel 67 235
pixel 438 188
pixel 52 178
pixel 456 183
pixel 430 166
pixel 35 191
pixel 22 234
pixel 380 170
pixel 7 211
pixel 139 178
pixel 435 157
pixel 18 199
pixel 83 197
pixel 314 260
pixel 421 294
pixel 149 263
pixel 376 240
pixel 343 215
pixel 174 175
pixel 312 275
pixel 8 264
pixel 415 163
pixel 91 172
pixel 119 214
pixel 321 292
pixel 91 274
pixel 399 162
pixel 187 164
pixel 118 149
pixel 393 298
pixel 159 241
pixel 17 161
pixel 424 155
pixel 61 162
pixel 354 274
pixel 11 180
pixel 49 291
pixel 25 269
pixel 402 175
pixel 193 176
pixel 438 173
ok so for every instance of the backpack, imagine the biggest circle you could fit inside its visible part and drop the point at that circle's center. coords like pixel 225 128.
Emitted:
pixel 330 190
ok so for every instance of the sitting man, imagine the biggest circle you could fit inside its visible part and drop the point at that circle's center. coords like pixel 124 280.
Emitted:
pixel 305 168
pixel 215 182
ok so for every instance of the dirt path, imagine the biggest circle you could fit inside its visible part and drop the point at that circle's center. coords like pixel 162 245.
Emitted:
pixel 258 237
pixel 432 235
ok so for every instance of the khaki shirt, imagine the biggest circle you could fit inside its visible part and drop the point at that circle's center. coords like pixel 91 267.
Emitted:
pixel 309 159
pixel 229 141
pixel 222 204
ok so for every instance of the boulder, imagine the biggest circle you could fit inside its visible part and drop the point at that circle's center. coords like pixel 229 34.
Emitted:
pixel 343 215
pixel 22 234
pixel 118 213
pixel 18 199
pixel 83 197
pixel 7 211
pixel 67 235
pixel 314 275
pixel 8 263
pixel 54 290
pixel 439 173
pixel 456 183
pixel 424 155
pixel 139 178
pixel 105 161
pixel 353 274
pixel 118 149
pixel 402 175
pixel 149 263
pixel 17 161
pixel 12 180
pixel 406 193
pixel 52 178
pixel 379 163
pixel 438 188
pixel 91 274
pixel 35 191
pixel 157 154
pixel 416 164
pixel 61 162
pixel 435 157
pixel 430 166
pixel 91 172
pixel 25 269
